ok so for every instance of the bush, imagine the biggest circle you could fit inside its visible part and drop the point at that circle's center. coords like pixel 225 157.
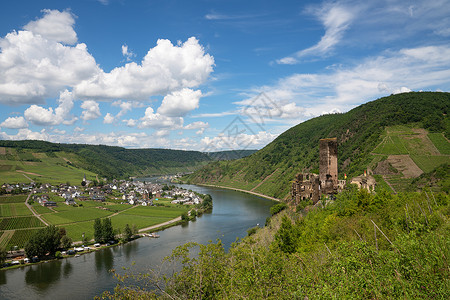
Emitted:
pixel 277 208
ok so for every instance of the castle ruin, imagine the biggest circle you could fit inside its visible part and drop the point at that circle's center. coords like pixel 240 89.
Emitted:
pixel 312 186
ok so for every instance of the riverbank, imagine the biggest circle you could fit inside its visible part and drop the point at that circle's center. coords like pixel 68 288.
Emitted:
pixel 240 190
pixel 158 227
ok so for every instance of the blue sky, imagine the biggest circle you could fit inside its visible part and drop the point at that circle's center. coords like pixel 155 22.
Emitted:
pixel 207 75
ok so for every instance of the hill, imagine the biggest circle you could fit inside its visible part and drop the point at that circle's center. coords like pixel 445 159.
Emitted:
pixel 410 125
pixel 52 162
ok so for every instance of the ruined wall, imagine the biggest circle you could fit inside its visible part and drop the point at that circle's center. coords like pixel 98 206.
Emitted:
pixel 328 169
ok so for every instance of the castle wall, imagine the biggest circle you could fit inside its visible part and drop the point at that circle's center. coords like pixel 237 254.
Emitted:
pixel 328 168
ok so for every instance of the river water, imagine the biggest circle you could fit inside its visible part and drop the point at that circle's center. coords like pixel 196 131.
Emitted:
pixel 88 275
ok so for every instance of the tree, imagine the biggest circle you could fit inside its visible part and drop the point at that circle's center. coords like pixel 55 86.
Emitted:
pixel 3 253
pixel 127 233
pixel 108 231
pixel 46 240
pixel 66 242
pixel 98 231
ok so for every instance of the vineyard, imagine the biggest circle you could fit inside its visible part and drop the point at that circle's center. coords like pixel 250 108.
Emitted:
pixel 13 199
pixel 20 223
pixel 20 237
pixel 14 209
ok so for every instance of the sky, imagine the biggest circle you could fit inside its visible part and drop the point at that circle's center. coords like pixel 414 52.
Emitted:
pixel 207 75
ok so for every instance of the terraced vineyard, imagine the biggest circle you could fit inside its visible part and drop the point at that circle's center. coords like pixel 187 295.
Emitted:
pixel 410 152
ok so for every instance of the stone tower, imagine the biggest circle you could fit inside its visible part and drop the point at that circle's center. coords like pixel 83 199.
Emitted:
pixel 328 168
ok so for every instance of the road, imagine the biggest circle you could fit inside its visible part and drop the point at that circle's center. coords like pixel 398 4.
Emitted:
pixel 32 210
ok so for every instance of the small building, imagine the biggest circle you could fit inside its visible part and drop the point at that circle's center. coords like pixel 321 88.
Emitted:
pixel 49 204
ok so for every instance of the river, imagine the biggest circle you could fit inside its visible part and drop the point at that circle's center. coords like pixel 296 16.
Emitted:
pixel 88 275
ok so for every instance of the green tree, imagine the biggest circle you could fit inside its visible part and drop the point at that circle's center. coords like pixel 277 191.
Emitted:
pixel 46 240
pixel 127 233
pixel 3 253
pixel 66 242
pixel 287 236
pixel 108 231
pixel 98 231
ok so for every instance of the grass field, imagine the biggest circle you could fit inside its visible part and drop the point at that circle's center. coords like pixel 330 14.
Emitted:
pixel 13 199
pixel 41 209
pixel 78 214
pixel 14 209
pixel 440 142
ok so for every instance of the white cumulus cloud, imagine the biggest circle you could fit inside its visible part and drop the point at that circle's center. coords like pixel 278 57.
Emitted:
pixel 166 68
pixel 14 123
pixel 179 103
pixel 91 110
pixel 55 26
pixel 39 115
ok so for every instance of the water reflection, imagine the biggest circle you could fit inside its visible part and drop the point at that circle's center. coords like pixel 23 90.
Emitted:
pixel 41 276
pixel 104 260
pixel 2 278
pixel 67 269
pixel 130 249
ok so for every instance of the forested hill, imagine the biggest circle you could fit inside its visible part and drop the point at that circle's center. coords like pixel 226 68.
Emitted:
pixel 359 132
pixel 114 162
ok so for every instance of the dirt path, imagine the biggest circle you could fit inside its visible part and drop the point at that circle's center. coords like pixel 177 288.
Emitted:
pixel 32 210
pixel 160 225
pixel 119 212
pixel 240 190
pixel 265 179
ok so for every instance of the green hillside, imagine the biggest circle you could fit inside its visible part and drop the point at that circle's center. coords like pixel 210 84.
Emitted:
pixel 413 124
pixel 56 163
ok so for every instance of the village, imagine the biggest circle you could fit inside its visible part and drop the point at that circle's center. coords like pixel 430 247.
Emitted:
pixel 132 192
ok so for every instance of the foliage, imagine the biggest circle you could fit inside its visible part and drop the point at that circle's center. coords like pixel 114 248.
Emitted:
pixel 46 240
pixel 276 208
pixel 184 217
pixel 127 233
pixel 66 242
pixel 103 230
pixel 330 252
pixel 3 254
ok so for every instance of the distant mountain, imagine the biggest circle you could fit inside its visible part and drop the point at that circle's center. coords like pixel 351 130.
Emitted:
pixel 106 161
pixel 402 119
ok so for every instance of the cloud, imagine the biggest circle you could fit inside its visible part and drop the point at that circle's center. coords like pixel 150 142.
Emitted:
pixel 159 121
pixel 196 125
pixel 108 119
pixel 46 116
pixel 421 68
pixel 336 18
pixel 126 53
pixel 14 123
pixel 26 134
pixel 54 26
pixel 179 103
pixel 91 110
pixel 166 68
pixel 35 65
pixel 42 60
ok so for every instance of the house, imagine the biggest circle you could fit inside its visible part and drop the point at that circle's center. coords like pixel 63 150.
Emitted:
pixel 49 204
